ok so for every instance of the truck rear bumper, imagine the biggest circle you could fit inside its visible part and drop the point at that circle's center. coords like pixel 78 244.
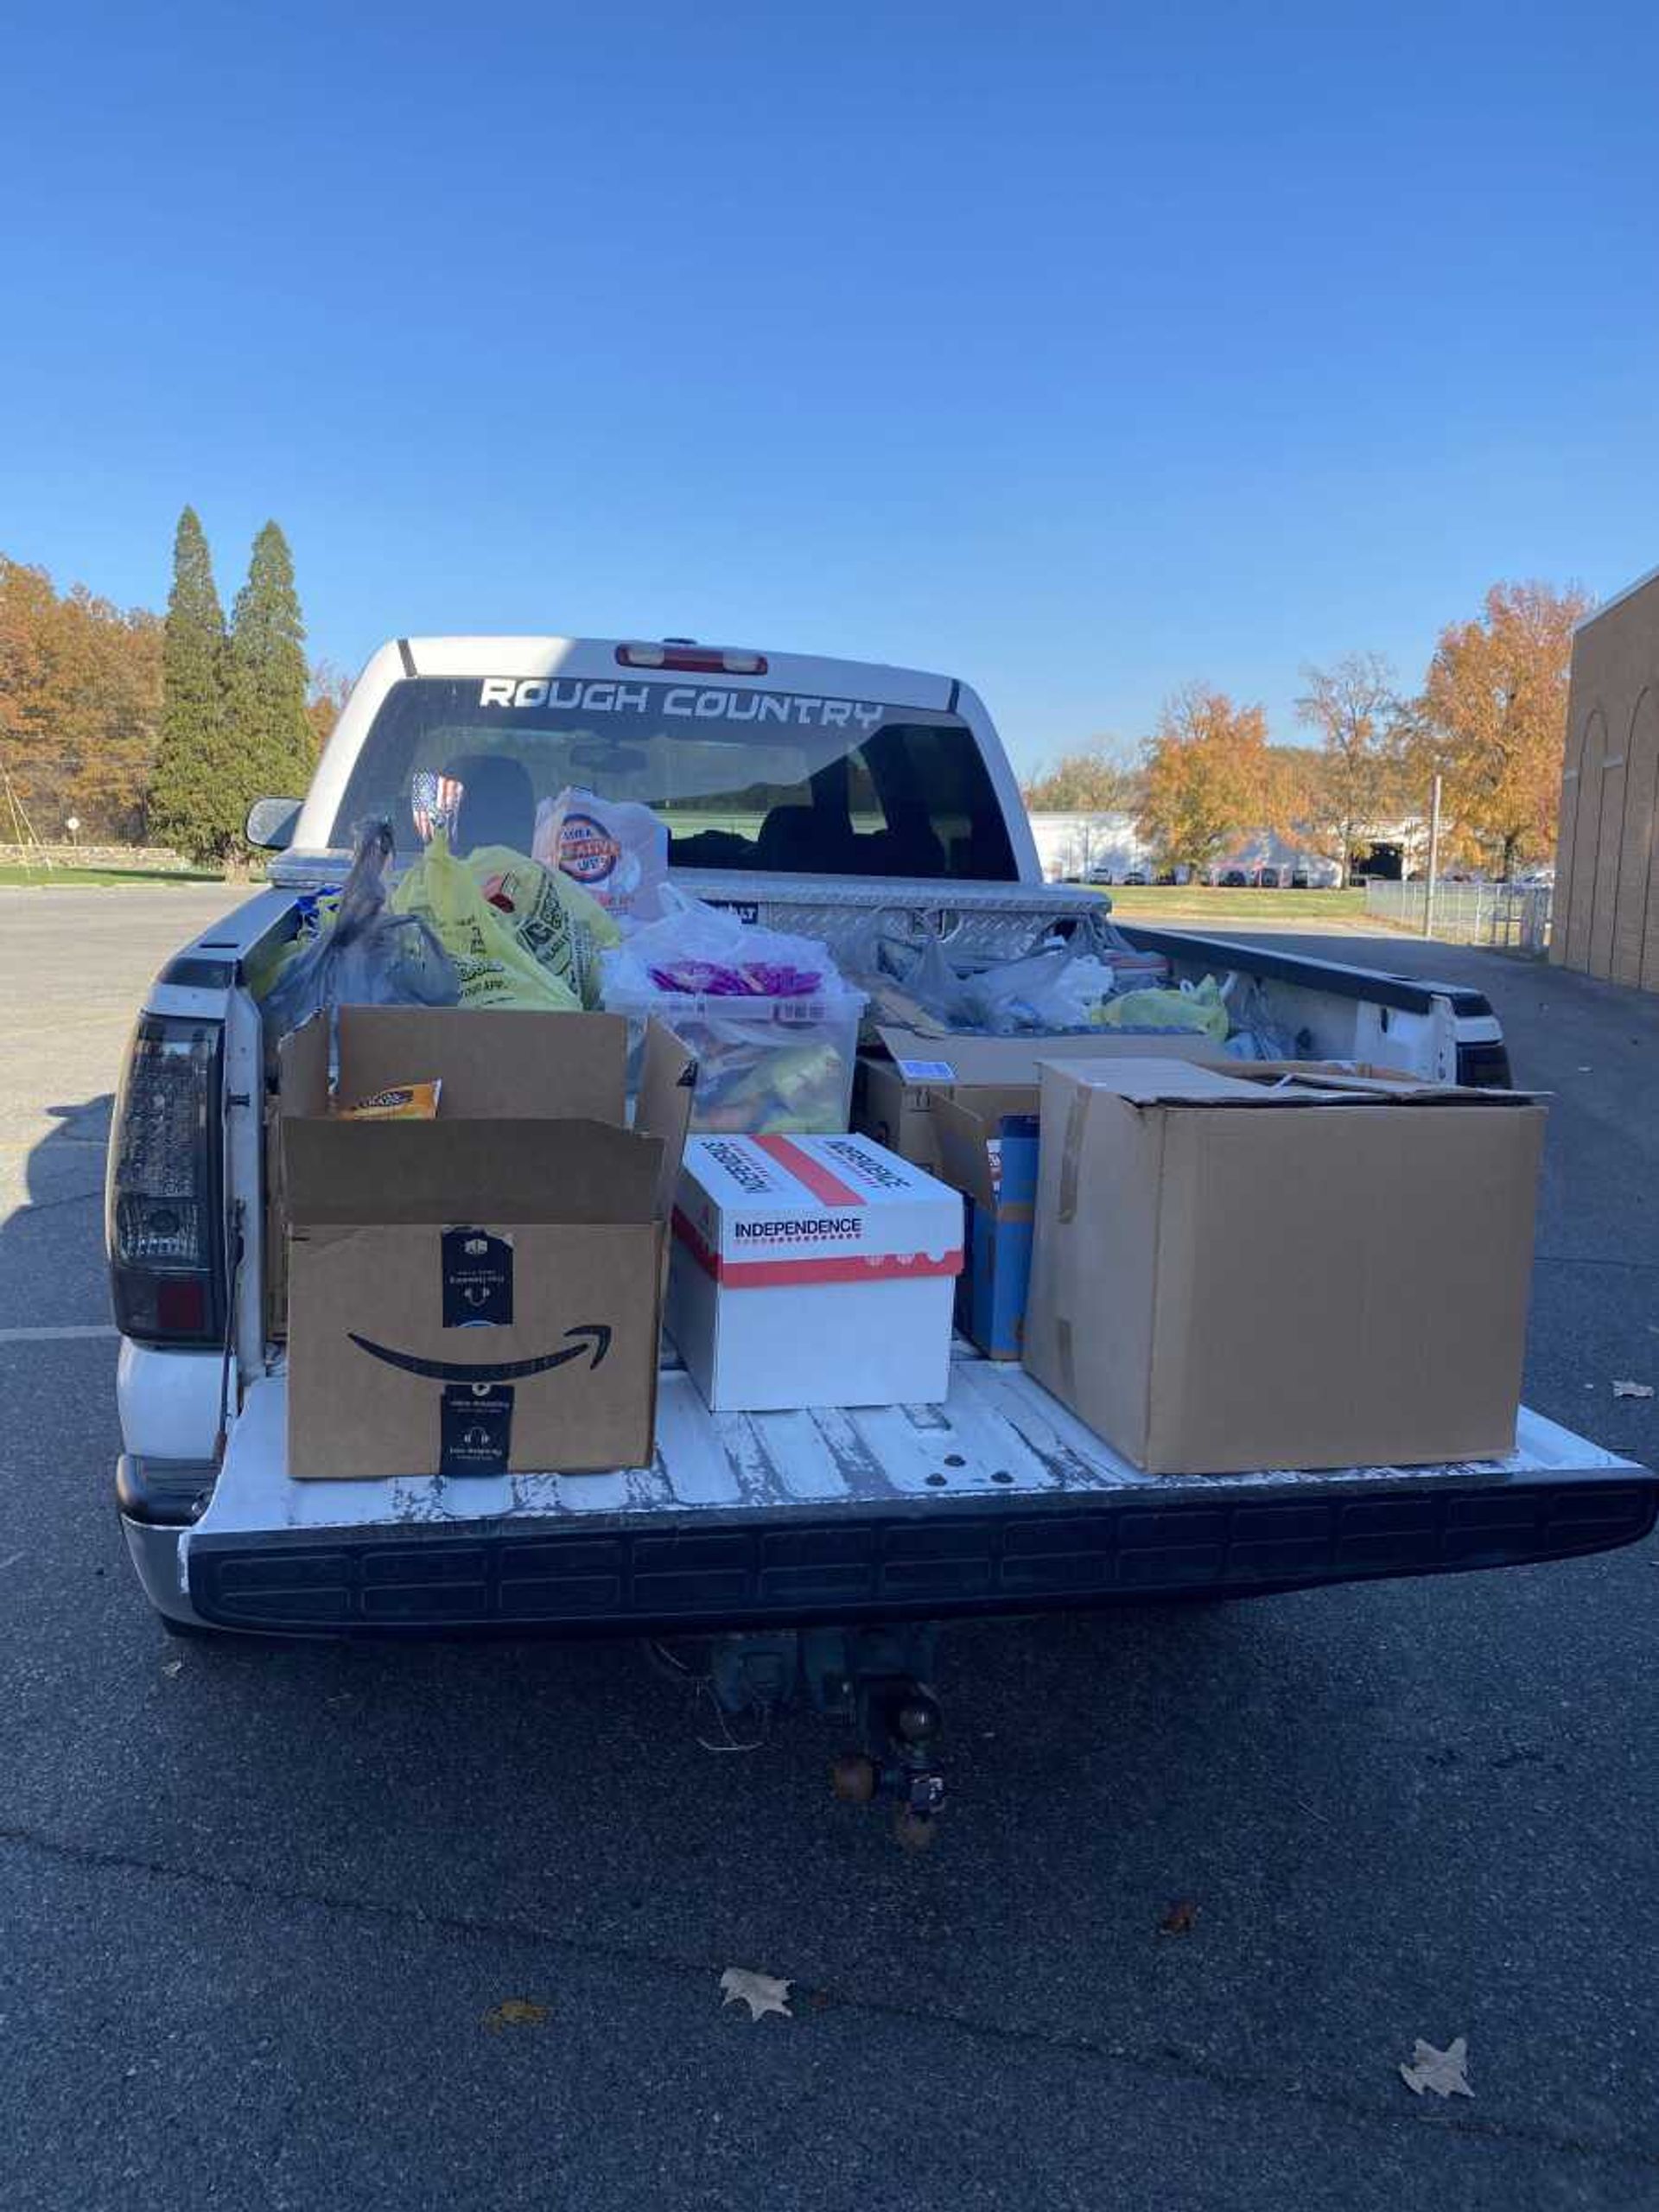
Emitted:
pixel 931 1559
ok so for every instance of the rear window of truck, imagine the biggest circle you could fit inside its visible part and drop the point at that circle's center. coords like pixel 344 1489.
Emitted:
pixel 746 779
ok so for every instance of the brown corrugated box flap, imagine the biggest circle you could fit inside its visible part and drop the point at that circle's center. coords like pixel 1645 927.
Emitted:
pixel 495 1062
pixel 302 1069
pixel 435 1172
pixel 668 1087
pixel 1181 1083
pixel 988 1060
pixel 965 1124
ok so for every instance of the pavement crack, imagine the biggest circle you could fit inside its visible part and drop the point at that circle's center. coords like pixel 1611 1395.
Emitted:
pixel 1167 2062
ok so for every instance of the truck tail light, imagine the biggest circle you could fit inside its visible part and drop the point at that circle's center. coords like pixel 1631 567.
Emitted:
pixel 693 660
pixel 164 1198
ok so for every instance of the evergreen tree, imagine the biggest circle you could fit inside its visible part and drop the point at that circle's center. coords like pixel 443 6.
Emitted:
pixel 190 805
pixel 273 747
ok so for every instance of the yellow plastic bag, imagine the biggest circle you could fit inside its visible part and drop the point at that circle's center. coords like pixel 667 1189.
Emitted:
pixel 558 922
pixel 1198 1007
pixel 540 956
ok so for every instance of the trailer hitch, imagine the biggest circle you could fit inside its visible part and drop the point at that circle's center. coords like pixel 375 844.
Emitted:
pixel 900 1721
pixel 875 1679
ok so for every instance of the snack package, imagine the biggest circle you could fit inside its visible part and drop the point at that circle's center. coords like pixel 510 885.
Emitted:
pixel 615 849
pixel 539 949
pixel 404 1102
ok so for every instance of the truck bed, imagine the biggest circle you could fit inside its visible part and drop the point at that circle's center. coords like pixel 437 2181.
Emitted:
pixel 997 1501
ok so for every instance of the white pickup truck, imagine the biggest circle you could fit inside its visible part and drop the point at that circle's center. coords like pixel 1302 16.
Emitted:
pixel 795 1547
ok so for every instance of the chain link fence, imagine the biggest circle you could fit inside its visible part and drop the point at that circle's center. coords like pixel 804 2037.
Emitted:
pixel 1514 915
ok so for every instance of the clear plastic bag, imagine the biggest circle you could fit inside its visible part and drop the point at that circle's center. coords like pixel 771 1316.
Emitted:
pixel 703 951
pixel 1047 992
pixel 366 956
pixel 1256 1035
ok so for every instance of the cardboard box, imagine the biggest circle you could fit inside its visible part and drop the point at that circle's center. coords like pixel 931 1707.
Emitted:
pixel 1232 1273
pixel 480 1293
pixel 893 1089
pixel 812 1271
pixel 988 1145
pixel 988 1141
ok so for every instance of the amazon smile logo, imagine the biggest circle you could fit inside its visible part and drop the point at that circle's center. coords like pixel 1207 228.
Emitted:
pixel 595 1342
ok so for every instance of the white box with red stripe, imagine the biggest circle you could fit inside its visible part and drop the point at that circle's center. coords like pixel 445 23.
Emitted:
pixel 812 1271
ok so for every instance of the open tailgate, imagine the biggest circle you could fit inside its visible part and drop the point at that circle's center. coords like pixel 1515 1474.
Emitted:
pixel 998 1501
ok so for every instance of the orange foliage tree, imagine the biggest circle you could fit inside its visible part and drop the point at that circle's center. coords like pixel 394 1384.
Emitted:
pixel 1492 722
pixel 1205 777
pixel 80 691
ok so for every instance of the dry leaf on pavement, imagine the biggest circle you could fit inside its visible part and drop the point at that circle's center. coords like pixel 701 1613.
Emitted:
pixel 1446 2072
pixel 761 1992
pixel 1632 1390
pixel 1178 1920
pixel 514 2012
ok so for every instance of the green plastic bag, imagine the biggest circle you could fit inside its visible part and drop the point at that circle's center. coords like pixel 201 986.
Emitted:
pixel 1198 1007
pixel 542 955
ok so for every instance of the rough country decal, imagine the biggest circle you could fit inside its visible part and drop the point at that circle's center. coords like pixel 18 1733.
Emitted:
pixel 680 702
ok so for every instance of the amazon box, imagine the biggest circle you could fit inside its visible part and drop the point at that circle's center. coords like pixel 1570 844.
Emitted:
pixel 1284 1268
pixel 480 1293
pixel 893 1089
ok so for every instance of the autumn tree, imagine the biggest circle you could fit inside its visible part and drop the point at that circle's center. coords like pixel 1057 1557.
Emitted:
pixel 1353 783
pixel 194 800
pixel 1095 780
pixel 1203 778
pixel 79 703
pixel 1492 722
pixel 327 693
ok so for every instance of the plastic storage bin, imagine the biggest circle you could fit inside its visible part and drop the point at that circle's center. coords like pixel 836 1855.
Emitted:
pixel 767 1067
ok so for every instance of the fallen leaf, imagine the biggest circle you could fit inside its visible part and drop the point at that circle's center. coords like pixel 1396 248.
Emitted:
pixel 1178 1920
pixel 761 1992
pixel 172 1667
pixel 1632 1390
pixel 1446 2072
pixel 514 2012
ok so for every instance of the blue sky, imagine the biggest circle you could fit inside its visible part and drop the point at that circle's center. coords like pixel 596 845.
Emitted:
pixel 1077 351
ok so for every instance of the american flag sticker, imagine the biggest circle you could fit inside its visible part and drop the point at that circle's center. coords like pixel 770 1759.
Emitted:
pixel 435 802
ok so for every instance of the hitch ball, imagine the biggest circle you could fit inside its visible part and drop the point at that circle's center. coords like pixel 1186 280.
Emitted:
pixel 854 1778
pixel 917 1718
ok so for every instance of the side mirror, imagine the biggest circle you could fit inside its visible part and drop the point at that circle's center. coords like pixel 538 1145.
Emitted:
pixel 272 824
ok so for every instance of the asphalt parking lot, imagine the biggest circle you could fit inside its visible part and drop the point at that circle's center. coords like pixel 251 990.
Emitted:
pixel 260 1909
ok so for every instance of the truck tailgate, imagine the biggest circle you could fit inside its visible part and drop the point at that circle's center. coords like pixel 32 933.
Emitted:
pixel 997 1501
